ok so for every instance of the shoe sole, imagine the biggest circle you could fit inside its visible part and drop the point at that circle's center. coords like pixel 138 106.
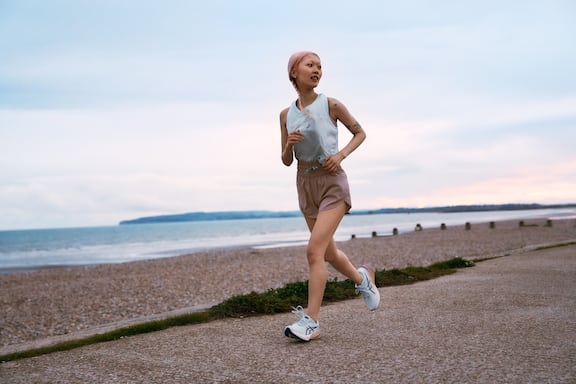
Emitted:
pixel 288 333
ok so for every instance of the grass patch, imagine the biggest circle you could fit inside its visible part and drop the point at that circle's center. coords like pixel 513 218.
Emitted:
pixel 272 301
pixel 564 244
pixel 411 274
pixel 137 329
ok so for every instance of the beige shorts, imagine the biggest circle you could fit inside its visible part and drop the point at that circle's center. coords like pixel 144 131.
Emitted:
pixel 319 190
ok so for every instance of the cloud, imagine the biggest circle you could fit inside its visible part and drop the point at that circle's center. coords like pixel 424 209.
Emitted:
pixel 553 183
pixel 550 184
pixel 112 110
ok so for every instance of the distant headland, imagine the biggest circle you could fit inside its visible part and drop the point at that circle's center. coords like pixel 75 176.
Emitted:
pixel 240 215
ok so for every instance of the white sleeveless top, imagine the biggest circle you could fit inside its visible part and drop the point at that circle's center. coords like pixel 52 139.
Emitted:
pixel 320 133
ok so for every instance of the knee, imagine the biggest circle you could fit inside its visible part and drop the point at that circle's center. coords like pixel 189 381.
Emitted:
pixel 314 256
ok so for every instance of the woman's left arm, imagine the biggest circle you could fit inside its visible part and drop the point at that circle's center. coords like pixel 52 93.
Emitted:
pixel 338 112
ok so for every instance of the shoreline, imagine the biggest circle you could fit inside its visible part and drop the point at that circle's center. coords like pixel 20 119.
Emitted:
pixel 64 300
pixel 11 270
pixel 77 247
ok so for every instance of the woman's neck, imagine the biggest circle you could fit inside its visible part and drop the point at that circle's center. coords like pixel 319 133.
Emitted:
pixel 306 98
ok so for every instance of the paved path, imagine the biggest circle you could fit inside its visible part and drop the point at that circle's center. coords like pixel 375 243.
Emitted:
pixel 508 320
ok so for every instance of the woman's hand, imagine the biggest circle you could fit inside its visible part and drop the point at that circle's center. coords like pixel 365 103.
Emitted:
pixel 288 141
pixel 332 163
pixel 294 137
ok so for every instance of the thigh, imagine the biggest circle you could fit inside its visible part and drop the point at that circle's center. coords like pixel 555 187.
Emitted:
pixel 323 227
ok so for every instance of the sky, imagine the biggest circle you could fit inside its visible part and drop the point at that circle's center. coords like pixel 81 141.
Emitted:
pixel 118 109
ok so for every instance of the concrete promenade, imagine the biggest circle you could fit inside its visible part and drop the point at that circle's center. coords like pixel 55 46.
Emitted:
pixel 507 320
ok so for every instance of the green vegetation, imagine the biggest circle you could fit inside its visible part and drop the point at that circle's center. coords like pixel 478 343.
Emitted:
pixel 254 304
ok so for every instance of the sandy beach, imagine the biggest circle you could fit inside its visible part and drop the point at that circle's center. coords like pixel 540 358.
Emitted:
pixel 40 304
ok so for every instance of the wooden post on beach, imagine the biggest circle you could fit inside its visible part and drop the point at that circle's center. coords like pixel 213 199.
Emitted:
pixel 492 225
pixel 395 231
pixel 443 227
pixel 467 226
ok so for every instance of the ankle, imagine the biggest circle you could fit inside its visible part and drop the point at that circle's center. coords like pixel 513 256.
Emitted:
pixel 358 278
pixel 313 316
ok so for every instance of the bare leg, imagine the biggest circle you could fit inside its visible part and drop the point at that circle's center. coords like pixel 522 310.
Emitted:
pixel 341 263
pixel 321 248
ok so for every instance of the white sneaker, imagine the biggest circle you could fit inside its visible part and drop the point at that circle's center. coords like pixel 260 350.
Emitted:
pixel 304 329
pixel 368 289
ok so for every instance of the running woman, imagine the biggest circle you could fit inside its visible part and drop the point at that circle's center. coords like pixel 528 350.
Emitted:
pixel 309 133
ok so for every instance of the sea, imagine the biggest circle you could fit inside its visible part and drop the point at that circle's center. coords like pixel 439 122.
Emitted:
pixel 29 249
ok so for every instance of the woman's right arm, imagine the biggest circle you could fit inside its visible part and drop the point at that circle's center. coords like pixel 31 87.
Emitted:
pixel 288 140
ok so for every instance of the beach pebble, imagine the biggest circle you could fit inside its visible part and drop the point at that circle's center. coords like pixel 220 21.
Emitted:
pixel 58 301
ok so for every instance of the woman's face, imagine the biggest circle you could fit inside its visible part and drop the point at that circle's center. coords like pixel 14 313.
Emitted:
pixel 308 72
